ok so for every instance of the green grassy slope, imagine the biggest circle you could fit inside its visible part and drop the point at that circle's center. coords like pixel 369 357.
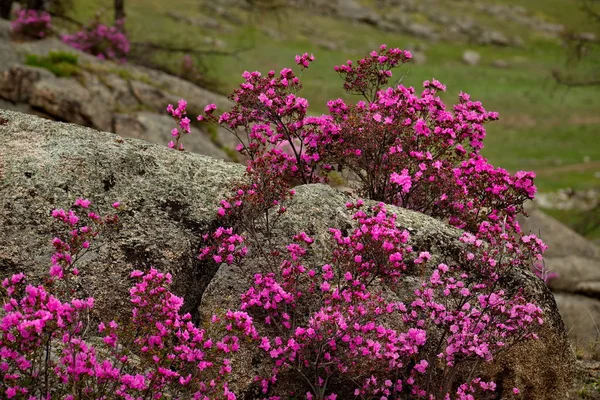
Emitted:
pixel 544 127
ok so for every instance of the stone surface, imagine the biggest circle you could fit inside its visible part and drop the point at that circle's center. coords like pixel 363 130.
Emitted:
pixel 561 240
pixel 67 100
pixel 169 199
pixel 317 207
pixel 581 315
pixel 471 57
pixel 574 273
pixel 16 83
pixel 577 286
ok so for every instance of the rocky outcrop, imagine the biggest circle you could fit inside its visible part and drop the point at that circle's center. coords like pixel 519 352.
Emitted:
pixel 430 20
pixel 561 240
pixel 169 200
pixel 68 100
pixel 106 96
pixel 577 286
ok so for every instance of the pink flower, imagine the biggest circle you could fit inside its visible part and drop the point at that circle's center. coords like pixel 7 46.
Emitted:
pixel 83 203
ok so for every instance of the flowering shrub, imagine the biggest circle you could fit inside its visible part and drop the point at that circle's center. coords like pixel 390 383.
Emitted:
pixel 32 23
pixel 102 41
pixel 334 330
pixel 47 346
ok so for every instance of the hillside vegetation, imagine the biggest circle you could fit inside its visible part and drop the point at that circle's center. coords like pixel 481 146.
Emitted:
pixel 549 128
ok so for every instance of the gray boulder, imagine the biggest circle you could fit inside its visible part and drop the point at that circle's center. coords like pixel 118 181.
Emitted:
pixel 16 83
pixel 66 99
pixel 168 197
pixel 471 57
pixel 561 240
pixel 155 128
pixel 577 286
pixel 582 320
pixel 576 274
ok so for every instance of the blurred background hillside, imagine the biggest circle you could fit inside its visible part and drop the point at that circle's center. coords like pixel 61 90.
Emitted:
pixel 536 62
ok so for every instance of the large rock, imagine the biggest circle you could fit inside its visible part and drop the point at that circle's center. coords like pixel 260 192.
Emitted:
pixel 315 208
pixel 575 274
pixel 168 198
pixel 16 83
pixel 577 286
pixel 155 128
pixel 582 320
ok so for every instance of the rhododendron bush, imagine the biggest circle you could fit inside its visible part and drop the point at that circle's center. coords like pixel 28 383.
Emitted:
pixel 47 347
pixel 340 325
pixel 327 327
pixel 100 40
pixel 32 23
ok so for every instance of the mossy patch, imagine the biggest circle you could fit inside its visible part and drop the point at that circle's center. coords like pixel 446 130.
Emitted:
pixel 60 63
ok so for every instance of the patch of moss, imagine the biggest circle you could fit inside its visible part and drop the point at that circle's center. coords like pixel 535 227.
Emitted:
pixel 336 179
pixel 128 76
pixel 59 63
pixel 232 154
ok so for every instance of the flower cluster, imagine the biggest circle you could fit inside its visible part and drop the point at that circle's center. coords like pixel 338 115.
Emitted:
pixel 180 116
pixel 373 72
pixel 47 348
pixel 408 150
pixel 336 331
pixel 32 23
pixel 80 235
pixel 304 60
pixel 102 41
pixel 270 121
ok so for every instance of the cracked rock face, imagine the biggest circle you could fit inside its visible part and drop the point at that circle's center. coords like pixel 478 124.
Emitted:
pixel 170 198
